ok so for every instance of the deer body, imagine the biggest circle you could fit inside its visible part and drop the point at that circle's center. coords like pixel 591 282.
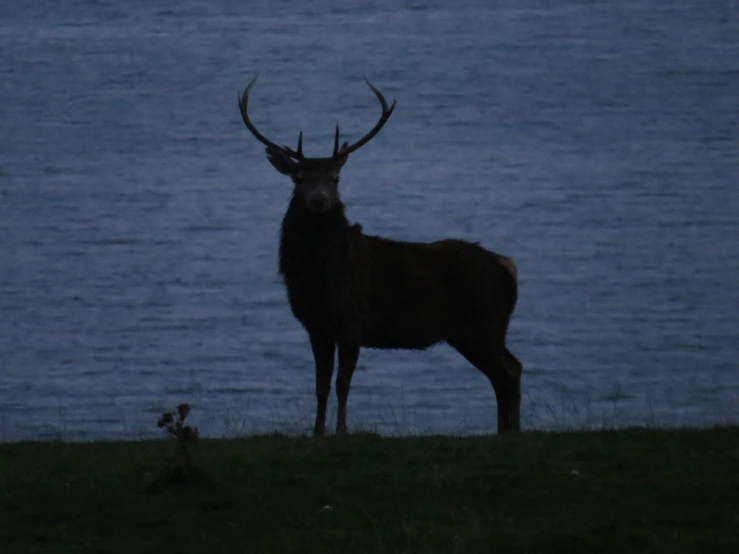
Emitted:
pixel 350 290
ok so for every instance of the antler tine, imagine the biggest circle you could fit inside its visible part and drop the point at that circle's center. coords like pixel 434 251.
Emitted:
pixel 336 142
pixel 243 104
pixel 292 153
pixel 347 149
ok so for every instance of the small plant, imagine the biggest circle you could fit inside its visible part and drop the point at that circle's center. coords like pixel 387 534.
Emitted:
pixel 180 469
pixel 175 424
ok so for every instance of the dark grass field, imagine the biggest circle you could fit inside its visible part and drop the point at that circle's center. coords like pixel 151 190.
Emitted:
pixel 623 491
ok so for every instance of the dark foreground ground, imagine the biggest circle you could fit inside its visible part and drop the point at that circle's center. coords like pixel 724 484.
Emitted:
pixel 613 491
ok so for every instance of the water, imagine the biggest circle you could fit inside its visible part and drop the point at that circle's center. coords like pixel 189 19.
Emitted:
pixel 596 144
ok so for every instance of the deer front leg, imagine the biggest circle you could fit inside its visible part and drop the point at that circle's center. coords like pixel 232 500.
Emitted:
pixel 323 353
pixel 348 355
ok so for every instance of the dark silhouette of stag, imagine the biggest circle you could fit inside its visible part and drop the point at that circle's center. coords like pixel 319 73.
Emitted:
pixel 351 290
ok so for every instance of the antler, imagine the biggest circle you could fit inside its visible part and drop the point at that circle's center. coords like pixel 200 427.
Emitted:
pixel 243 103
pixel 346 148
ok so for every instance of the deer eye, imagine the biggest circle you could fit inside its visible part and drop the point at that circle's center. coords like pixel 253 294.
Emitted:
pixel 335 180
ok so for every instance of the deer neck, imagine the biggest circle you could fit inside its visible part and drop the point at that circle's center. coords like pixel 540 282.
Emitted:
pixel 313 244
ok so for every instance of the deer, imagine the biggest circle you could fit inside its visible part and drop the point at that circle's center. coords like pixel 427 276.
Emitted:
pixel 351 290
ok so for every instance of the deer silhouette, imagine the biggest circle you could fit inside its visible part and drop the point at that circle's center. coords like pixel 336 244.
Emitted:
pixel 350 290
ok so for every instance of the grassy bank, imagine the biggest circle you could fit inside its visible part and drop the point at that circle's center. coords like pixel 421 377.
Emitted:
pixel 612 491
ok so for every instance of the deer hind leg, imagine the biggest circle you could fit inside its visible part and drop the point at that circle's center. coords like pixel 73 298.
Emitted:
pixel 348 356
pixel 513 369
pixel 323 353
pixel 504 372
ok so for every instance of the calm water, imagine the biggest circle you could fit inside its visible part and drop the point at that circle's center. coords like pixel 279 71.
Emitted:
pixel 596 144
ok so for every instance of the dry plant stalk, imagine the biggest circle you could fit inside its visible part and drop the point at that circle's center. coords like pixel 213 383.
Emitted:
pixel 180 470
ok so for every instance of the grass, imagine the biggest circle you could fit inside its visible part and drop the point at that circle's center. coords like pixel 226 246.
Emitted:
pixel 635 490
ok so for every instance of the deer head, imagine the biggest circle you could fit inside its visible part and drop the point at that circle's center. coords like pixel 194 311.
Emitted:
pixel 316 180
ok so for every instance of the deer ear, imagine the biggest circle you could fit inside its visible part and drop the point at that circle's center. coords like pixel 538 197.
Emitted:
pixel 341 159
pixel 281 162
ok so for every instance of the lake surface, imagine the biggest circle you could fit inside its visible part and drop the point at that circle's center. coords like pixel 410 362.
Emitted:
pixel 597 144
